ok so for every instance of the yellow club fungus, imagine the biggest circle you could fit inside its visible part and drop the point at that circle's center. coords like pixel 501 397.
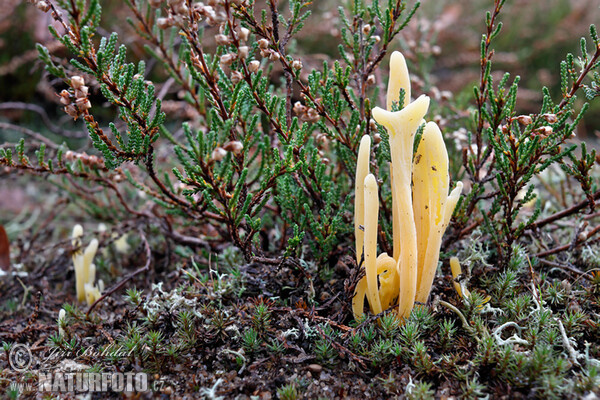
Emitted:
pixel 421 206
pixel 85 270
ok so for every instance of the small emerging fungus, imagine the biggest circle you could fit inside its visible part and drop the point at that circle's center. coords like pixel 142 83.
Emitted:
pixel 421 206
pixel 462 291
pixel 61 320
pixel 121 244
pixel 85 270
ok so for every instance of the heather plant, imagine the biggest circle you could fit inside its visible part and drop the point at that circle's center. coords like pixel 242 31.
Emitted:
pixel 226 144
pixel 250 144
pixel 269 146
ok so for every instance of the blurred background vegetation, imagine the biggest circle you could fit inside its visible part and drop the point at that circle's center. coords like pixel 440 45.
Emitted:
pixel 442 42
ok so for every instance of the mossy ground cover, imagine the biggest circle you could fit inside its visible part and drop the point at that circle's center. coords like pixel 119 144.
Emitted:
pixel 236 330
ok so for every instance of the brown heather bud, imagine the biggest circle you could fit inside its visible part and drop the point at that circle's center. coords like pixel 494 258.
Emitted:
pixel 211 17
pixel 218 154
pixel 85 159
pixel 524 119
pixel 297 64
pixel 545 130
pixel 366 29
pixel 371 79
pixel 164 23
pixel 376 38
pixel 445 95
pixel 227 59
pixel 263 44
pixel 83 104
pixel 299 108
pixel 377 138
pixel 181 9
pixel 265 53
pixel 234 146
pixel 155 3
pixel 274 56
pixel 69 155
pixel 236 77
pixel 77 82
pixel 550 118
pixel 243 52
pixel 82 92
pixel 312 115
pixel 42 5
pixel 253 65
pixel 65 97
pixel 222 40
pixel 373 125
pixel 244 34
pixel 95 161
pixel 71 111
pixel 178 6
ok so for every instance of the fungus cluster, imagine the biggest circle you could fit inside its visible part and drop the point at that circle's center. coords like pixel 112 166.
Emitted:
pixel 85 270
pixel 421 206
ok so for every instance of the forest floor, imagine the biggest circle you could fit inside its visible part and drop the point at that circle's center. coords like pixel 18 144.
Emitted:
pixel 213 326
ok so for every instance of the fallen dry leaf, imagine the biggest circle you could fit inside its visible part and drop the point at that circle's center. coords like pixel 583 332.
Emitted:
pixel 4 249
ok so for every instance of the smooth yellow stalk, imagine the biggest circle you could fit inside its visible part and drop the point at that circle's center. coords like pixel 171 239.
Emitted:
pixel 430 189
pixel 79 272
pixel 399 79
pixel 395 219
pixel 362 170
pixel 433 207
pixel 61 317
pixel 88 256
pixel 432 254
pixel 78 262
pixel 421 207
pixel 91 274
pixel 401 126
pixel 358 301
pixel 371 215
